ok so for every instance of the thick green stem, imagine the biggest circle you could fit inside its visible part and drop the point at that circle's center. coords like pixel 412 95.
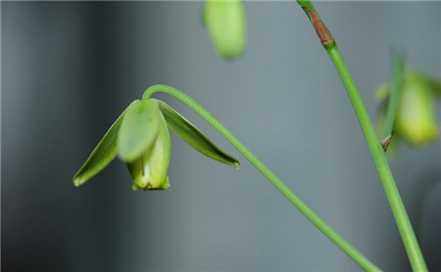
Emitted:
pixel 402 220
pixel 358 258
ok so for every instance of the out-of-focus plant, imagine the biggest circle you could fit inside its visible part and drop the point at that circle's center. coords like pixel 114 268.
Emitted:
pixel 226 24
pixel 415 121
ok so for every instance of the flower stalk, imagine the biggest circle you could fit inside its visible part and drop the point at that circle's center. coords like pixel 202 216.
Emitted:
pixel 393 196
pixel 319 223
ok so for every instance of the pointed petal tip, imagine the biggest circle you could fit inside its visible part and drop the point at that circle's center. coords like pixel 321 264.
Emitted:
pixel 77 182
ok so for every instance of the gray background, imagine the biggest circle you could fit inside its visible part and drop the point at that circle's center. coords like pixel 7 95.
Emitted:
pixel 69 69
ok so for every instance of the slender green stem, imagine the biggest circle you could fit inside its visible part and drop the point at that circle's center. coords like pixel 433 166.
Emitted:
pixel 402 220
pixel 382 165
pixel 394 98
pixel 358 258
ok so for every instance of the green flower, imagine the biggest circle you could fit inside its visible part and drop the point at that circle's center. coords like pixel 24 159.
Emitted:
pixel 415 120
pixel 225 21
pixel 140 138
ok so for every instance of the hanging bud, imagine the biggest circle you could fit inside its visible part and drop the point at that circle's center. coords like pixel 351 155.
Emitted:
pixel 416 118
pixel 415 121
pixel 225 21
pixel 141 138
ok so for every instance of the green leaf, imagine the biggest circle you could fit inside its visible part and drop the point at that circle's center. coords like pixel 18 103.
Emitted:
pixel 139 129
pixel 104 152
pixel 194 137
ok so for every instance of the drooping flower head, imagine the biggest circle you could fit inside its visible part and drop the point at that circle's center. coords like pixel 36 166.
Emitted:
pixel 141 139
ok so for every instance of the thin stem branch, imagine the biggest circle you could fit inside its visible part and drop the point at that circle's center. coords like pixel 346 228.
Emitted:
pixel 320 224
pixel 396 204
pixel 394 98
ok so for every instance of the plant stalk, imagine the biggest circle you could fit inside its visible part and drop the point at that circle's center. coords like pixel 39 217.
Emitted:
pixel 319 223
pixel 393 196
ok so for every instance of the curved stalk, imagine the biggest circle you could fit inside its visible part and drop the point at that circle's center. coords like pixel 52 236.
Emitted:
pixel 393 196
pixel 319 223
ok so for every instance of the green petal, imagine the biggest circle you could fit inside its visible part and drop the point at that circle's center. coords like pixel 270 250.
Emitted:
pixel 416 120
pixel 433 84
pixel 149 172
pixel 139 129
pixel 102 154
pixel 225 20
pixel 194 137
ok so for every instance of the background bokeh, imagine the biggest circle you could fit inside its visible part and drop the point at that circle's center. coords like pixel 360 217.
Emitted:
pixel 69 69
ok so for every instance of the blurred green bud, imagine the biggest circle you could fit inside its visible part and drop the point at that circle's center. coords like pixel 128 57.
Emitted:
pixel 415 121
pixel 416 118
pixel 226 23
pixel 141 139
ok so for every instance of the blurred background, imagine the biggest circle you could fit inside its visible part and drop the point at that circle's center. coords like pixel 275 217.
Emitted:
pixel 69 69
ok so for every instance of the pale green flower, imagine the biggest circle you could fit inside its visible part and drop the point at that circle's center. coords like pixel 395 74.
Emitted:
pixel 416 119
pixel 141 139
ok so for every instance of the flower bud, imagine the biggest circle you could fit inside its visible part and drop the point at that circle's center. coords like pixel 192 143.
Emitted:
pixel 141 138
pixel 416 118
pixel 225 21
pixel 415 121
